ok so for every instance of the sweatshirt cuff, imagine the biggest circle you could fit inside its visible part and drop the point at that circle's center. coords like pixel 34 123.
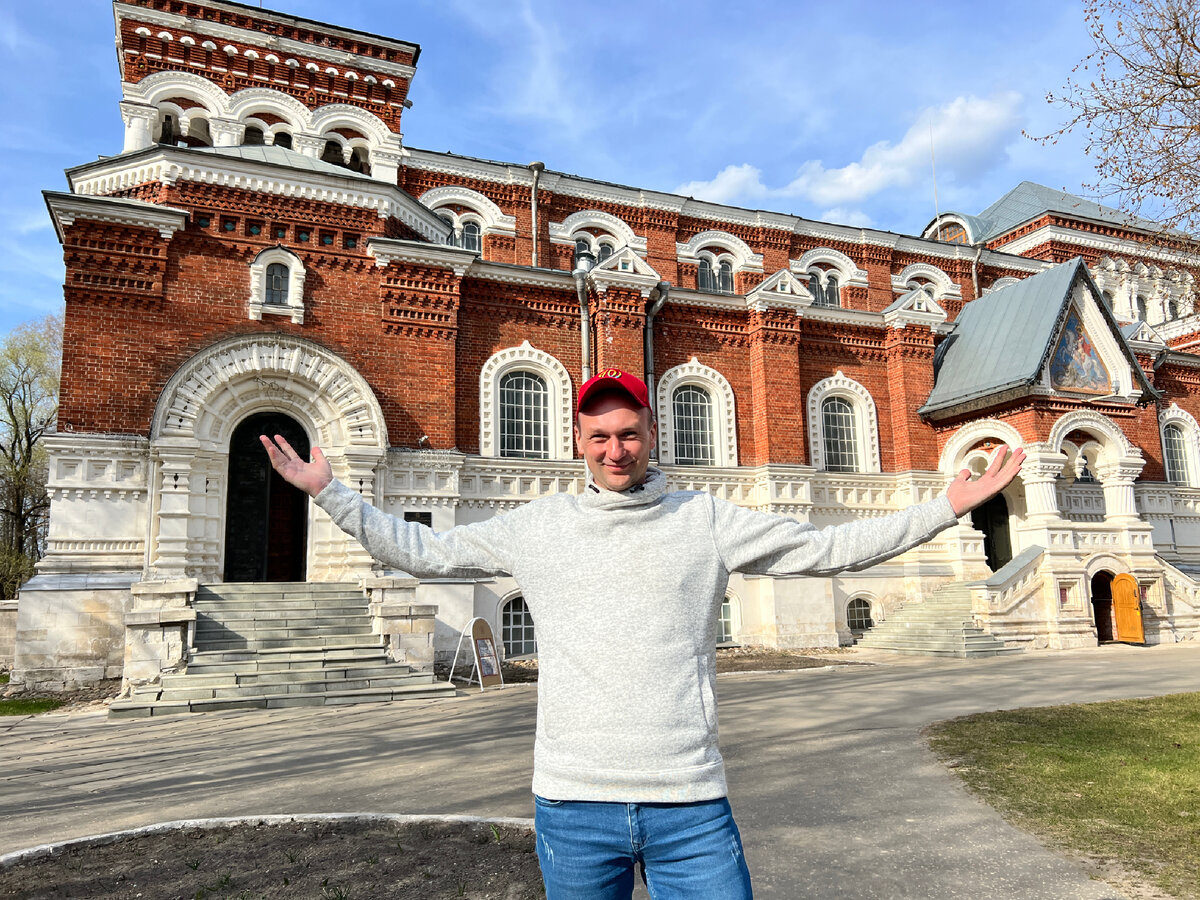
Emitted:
pixel 334 498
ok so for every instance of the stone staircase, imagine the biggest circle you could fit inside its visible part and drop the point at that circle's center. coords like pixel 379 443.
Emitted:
pixel 276 645
pixel 941 625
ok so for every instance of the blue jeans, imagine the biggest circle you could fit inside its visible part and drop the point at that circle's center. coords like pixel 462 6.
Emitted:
pixel 686 850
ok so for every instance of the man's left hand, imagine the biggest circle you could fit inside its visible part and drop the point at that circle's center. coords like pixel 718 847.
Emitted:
pixel 965 493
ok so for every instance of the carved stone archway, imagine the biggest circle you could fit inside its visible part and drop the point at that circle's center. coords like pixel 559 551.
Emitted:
pixel 189 446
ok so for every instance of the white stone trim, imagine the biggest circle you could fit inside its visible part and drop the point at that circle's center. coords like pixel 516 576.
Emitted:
pixel 849 274
pixel 724 423
pixel 866 422
pixel 1174 415
pixel 160 86
pixel 489 215
pixel 558 382
pixel 1111 438
pixel 66 208
pixel 1000 283
pixel 955 455
pixel 564 232
pixel 324 119
pixel 783 290
pixel 1111 351
pixel 248 100
pixel 295 291
pixel 743 257
pixel 942 285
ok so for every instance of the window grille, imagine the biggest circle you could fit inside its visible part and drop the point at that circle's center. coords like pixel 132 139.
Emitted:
pixel 704 276
pixel 606 250
pixel 524 416
pixel 840 435
pixel 472 237
pixel 692 420
pixel 277 284
pixel 725 623
pixel 827 294
pixel 516 629
pixel 582 246
pixel 1176 454
pixel 725 278
pixel 858 615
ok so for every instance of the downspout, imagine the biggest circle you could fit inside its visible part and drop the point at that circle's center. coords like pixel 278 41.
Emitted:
pixel 537 168
pixel 583 265
pixel 658 297
pixel 975 268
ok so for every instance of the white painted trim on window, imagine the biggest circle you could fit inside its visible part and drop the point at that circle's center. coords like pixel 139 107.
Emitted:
pixel 489 215
pixel 724 419
pixel 558 382
pixel 744 259
pixel 1173 415
pixel 866 420
pixel 258 285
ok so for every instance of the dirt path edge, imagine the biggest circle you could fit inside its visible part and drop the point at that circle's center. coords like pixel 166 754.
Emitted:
pixel 99 840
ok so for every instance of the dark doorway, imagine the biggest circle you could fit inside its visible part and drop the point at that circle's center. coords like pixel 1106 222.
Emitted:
pixel 992 520
pixel 1102 606
pixel 265 517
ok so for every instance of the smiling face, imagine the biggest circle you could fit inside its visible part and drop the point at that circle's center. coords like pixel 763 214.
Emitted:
pixel 615 437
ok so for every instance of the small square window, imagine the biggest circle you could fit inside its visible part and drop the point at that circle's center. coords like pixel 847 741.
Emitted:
pixel 422 518
pixel 254 229
pixel 203 221
pixel 280 232
pixel 350 241
pixel 229 224
pixel 303 235
pixel 326 239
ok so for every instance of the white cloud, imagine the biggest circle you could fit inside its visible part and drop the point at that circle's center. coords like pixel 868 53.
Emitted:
pixel 844 216
pixel 969 134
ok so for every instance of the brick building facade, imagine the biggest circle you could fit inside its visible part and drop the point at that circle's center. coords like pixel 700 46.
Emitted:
pixel 266 252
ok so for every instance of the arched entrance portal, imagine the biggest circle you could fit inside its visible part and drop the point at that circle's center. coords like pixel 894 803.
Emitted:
pixel 265 517
pixel 992 520
pixel 1102 605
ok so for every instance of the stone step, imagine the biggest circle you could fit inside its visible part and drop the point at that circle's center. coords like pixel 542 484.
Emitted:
pixel 140 708
pixel 283 659
pixel 282 620
pixel 252 610
pixel 207 692
pixel 232 678
pixel 292 643
pixel 217 631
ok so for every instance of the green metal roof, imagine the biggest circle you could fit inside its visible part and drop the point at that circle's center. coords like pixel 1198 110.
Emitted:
pixel 1001 341
pixel 1029 200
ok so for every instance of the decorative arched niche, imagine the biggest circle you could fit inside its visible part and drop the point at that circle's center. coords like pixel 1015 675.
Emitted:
pixel 724 421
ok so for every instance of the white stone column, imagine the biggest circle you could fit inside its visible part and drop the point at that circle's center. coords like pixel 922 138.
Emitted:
pixel 138 118
pixel 1038 475
pixel 1117 478
pixel 169 555
pixel 226 132
pixel 308 144
pixel 385 165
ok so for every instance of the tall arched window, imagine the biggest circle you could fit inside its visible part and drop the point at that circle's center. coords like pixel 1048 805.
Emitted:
pixel 840 435
pixel 1176 454
pixel 472 237
pixel 283 139
pixel 606 250
pixel 333 154
pixel 1141 307
pixel 692 417
pixel 277 285
pixel 516 629
pixel 827 294
pixel 253 136
pixel 725 278
pixel 704 276
pixel 524 416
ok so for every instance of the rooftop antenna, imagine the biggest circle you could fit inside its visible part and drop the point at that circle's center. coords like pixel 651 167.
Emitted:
pixel 937 215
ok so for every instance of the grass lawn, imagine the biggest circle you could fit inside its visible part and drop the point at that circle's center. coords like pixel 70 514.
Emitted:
pixel 1118 780
pixel 14 706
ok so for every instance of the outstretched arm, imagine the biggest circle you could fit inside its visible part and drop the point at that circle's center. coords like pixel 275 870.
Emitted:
pixel 760 543
pixel 484 548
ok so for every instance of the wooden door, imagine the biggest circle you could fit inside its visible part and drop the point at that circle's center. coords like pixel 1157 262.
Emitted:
pixel 1127 610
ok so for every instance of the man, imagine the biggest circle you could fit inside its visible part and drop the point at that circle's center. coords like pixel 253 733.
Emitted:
pixel 625 582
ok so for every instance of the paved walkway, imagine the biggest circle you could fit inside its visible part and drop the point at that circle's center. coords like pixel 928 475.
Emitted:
pixel 835 793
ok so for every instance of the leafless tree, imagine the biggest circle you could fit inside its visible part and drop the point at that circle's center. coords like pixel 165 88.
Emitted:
pixel 30 357
pixel 1137 96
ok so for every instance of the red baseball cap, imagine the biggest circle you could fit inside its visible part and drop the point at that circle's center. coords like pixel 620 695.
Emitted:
pixel 615 379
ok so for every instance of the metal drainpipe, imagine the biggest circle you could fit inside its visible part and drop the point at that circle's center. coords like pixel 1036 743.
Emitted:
pixel 662 289
pixel 583 265
pixel 537 168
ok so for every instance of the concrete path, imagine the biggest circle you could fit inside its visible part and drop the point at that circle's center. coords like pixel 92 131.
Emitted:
pixel 833 788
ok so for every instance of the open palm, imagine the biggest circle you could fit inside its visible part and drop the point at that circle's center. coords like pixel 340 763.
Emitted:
pixel 310 477
pixel 965 493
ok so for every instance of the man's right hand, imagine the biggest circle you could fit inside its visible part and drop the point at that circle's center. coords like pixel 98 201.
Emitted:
pixel 310 477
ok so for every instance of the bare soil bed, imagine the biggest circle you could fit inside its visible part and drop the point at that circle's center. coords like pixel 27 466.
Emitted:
pixel 351 861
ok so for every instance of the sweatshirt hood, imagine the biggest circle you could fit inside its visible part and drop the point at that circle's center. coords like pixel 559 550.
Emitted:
pixel 650 491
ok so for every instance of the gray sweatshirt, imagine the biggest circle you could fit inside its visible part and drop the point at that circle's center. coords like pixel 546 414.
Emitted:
pixel 625 590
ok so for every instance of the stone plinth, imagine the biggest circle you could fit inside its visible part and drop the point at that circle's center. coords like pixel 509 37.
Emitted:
pixel 157 628
pixel 408 626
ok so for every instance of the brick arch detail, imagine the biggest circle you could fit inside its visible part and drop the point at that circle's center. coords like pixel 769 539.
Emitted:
pixel 954 455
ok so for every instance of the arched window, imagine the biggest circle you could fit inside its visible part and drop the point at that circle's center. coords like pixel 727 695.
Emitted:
pixel 516 629
pixel 1141 307
pixel 858 615
pixel 1172 308
pixel 283 139
pixel 170 131
pixel 692 418
pixel 825 288
pixel 582 246
pixel 524 416
pixel 840 435
pixel 452 240
pixel 359 161
pixel 253 136
pixel 277 285
pixel 1175 452
pixel 472 237
pixel 333 154
pixel 725 278
pixel 704 276
pixel 606 250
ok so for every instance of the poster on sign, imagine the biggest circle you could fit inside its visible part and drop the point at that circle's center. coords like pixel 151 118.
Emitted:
pixel 485 654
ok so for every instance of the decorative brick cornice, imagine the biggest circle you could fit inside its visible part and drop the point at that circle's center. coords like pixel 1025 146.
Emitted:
pixel 389 250
pixel 66 208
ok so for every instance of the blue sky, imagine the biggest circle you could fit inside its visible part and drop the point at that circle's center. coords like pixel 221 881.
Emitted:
pixel 815 108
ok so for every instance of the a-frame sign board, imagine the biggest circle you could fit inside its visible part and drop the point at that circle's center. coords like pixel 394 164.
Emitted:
pixel 486 667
